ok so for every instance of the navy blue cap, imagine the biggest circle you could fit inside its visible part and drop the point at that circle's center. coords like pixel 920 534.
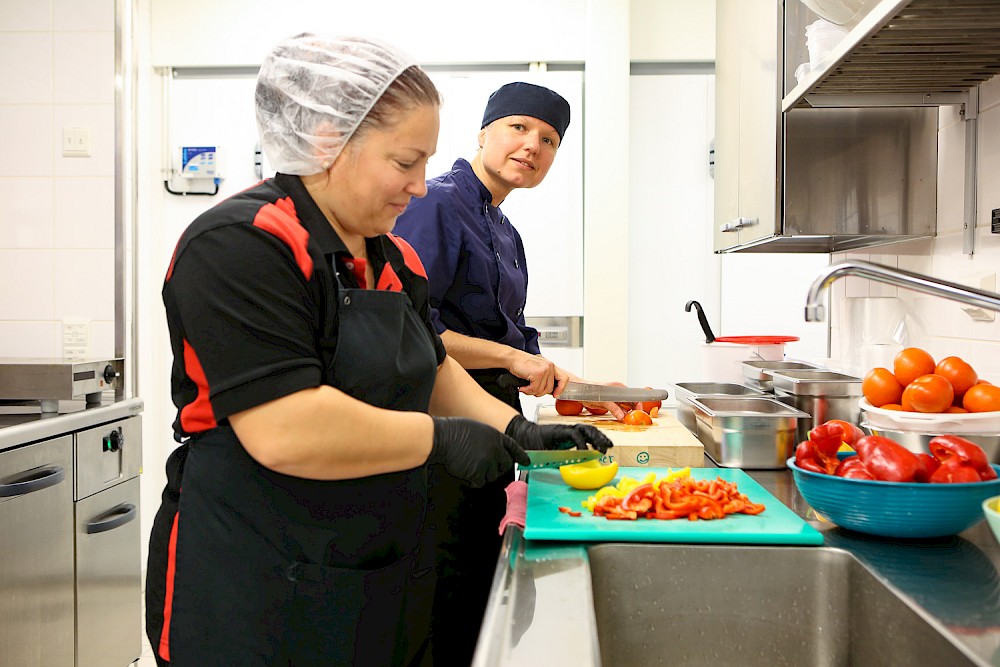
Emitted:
pixel 527 99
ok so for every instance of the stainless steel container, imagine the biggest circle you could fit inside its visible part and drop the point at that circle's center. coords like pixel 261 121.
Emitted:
pixel 755 432
pixel 688 391
pixel 757 373
pixel 823 394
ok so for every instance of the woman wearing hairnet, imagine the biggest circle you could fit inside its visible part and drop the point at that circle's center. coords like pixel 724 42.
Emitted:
pixel 478 280
pixel 306 372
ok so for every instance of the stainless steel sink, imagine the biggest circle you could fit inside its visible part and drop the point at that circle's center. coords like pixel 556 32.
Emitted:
pixel 661 604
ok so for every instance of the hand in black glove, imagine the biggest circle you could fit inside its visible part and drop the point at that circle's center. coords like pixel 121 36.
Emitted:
pixel 531 436
pixel 472 451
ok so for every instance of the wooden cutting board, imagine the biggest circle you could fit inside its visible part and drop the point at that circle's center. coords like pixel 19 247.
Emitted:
pixel 777 524
pixel 667 443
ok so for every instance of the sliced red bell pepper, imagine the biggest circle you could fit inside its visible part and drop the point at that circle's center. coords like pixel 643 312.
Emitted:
pixel 827 438
pixel 952 448
pixel 810 457
pixel 954 472
pixel 886 459
pixel 853 468
pixel 851 433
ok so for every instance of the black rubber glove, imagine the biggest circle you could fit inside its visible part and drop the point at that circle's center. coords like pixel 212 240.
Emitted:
pixel 531 436
pixel 472 451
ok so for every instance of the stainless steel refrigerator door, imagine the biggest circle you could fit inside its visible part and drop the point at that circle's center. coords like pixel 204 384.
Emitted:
pixel 36 554
pixel 108 577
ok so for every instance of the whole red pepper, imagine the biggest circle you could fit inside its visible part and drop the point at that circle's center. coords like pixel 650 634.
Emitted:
pixel 954 450
pixel 853 468
pixel 886 459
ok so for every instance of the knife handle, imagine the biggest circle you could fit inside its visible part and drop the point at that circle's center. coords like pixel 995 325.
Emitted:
pixel 507 380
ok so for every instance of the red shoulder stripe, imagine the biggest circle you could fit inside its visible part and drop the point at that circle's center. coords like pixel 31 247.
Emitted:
pixel 389 281
pixel 197 415
pixel 409 255
pixel 281 220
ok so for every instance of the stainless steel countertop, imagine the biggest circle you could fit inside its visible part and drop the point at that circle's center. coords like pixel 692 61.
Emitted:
pixel 541 612
pixel 22 429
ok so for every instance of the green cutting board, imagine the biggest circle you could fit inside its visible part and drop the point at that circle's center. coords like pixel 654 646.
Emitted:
pixel 775 525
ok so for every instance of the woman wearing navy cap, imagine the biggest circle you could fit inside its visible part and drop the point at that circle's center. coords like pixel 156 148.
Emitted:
pixel 478 280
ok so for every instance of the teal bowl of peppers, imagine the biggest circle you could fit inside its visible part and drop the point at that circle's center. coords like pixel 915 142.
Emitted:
pixel 895 509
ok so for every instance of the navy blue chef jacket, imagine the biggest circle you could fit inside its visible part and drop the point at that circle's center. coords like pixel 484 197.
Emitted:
pixel 476 269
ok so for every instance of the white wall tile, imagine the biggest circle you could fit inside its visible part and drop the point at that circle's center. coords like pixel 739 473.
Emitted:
pixel 951 178
pixel 989 94
pixel 100 118
pixel 26 216
pixel 25 67
pixel 29 339
pixel 84 67
pixel 83 14
pixel 26 137
pixel 84 212
pixel 25 15
pixel 85 284
pixel 102 338
pixel 28 284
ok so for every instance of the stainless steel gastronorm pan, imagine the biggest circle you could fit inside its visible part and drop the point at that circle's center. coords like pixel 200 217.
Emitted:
pixel 755 432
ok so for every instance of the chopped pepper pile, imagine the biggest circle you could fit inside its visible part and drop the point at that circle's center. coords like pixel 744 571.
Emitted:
pixel 675 496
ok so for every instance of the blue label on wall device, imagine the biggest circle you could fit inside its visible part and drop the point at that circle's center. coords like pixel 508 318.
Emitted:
pixel 198 161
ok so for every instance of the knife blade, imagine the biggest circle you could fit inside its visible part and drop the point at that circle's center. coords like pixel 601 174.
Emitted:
pixel 553 458
pixel 593 393
pixel 600 393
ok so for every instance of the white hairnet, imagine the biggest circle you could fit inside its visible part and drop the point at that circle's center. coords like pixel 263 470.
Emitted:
pixel 314 91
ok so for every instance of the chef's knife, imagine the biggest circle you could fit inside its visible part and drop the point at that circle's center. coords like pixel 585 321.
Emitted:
pixel 593 393
pixel 553 458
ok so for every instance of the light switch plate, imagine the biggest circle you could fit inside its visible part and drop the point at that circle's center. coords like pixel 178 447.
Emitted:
pixel 76 142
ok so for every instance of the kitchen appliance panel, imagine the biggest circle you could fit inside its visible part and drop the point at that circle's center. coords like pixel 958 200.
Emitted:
pixel 777 524
pixel 107 455
pixel 36 554
pixel 108 577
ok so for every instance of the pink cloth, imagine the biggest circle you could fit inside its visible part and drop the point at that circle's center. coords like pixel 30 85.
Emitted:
pixel 517 504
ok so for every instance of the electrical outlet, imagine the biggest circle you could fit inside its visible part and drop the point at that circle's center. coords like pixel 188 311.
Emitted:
pixel 76 339
pixel 76 142
pixel 995 223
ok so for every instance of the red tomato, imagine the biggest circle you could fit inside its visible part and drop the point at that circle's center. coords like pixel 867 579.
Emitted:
pixel 648 406
pixel 880 387
pixel 568 408
pixel 911 363
pixel 638 418
pixel 596 410
pixel 982 398
pixel 960 374
pixel 929 393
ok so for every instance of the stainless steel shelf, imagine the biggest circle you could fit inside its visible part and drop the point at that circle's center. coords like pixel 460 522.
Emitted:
pixel 907 53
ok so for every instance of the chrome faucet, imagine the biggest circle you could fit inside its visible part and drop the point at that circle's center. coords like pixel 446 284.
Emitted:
pixel 900 278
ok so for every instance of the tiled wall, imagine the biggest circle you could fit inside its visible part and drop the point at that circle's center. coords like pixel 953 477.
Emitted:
pixel 57 217
pixel 940 325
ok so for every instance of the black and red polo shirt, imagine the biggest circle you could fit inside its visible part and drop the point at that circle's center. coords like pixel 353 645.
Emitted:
pixel 251 297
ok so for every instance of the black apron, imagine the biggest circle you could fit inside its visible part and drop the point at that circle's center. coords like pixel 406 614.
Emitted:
pixel 462 527
pixel 278 570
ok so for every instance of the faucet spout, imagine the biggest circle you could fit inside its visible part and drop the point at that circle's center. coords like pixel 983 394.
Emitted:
pixel 815 311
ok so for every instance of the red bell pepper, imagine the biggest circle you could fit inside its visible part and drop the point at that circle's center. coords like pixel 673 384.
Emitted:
pixel 853 468
pixel 954 450
pixel 851 433
pixel 819 452
pixel 951 473
pixel 928 466
pixel 887 460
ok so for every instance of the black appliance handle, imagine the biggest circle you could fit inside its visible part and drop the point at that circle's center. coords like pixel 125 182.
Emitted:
pixel 33 480
pixel 115 517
